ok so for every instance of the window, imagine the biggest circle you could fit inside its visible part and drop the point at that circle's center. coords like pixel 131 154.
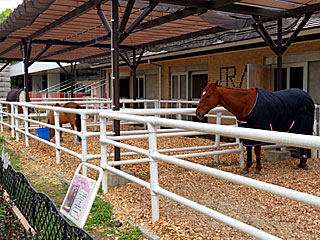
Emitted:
pixel 179 86
pixel 198 82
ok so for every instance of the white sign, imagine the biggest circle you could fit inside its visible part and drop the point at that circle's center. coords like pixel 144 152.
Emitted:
pixel 5 158
pixel 80 196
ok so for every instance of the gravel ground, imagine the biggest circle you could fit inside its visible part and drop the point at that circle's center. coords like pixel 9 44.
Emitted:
pixel 284 218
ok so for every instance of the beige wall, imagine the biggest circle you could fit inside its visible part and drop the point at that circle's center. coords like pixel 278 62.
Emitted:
pixel 236 60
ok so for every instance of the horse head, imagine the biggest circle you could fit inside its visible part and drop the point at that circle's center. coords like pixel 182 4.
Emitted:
pixel 209 99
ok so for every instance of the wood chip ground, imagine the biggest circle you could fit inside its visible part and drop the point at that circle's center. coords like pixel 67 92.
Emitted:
pixel 276 215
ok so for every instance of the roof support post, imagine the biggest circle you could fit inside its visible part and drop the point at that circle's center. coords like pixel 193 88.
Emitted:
pixel 70 74
pixel 279 48
pixel 103 19
pixel 138 20
pixel 133 65
pixel 115 70
pixel 280 84
pixel 73 77
pixel 26 51
pixel 296 32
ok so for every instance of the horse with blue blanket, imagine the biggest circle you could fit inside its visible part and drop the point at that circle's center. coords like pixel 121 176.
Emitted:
pixel 289 110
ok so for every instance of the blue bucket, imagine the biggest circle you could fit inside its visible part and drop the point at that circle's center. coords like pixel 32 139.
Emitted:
pixel 43 133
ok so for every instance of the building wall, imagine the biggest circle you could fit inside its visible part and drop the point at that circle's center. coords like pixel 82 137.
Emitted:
pixel 4 81
pixel 229 68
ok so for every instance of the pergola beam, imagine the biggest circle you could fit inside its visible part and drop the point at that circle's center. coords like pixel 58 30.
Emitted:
pixel 138 20
pixel 222 3
pixel 62 20
pixel 302 10
pixel 126 15
pixel 168 18
pixel 234 8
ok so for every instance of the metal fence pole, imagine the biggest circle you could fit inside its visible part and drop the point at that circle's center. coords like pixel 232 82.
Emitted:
pixel 12 119
pixel 16 113
pixel 217 138
pixel 57 136
pixel 84 142
pixel 154 183
pixel 103 149
pixel 26 125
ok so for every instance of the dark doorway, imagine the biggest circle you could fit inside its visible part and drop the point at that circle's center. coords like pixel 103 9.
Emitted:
pixel 296 77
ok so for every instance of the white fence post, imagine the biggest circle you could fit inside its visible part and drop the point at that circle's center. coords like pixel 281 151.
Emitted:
pixel 84 142
pixel 241 155
pixel 12 119
pixel 217 138
pixel 16 113
pixel 179 115
pixel 314 151
pixel 26 125
pixel 154 183
pixel 103 149
pixel 57 136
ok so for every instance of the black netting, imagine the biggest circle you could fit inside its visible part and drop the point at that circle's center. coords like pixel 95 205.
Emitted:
pixel 38 209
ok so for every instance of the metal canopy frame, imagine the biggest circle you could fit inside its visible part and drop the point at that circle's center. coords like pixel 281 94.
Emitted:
pixel 43 29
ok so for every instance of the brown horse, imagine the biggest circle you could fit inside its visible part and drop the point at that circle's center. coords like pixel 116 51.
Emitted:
pixel 286 110
pixel 17 95
pixel 72 118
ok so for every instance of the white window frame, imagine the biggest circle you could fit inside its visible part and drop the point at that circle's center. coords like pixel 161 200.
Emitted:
pixel 143 77
pixel 305 73
pixel 179 74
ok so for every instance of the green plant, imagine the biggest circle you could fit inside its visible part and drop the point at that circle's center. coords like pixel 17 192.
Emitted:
pixel 12 138
pixel 10 225
pixel 2 139
pixel 101 213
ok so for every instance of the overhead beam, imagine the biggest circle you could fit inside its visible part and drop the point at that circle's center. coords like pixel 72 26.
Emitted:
pixel 40 54
pixel 126 15
pixel 296 32
pixel 222 3
pixel 182 37
pixel 169 18
pixel 62 20
pixel 260 29
pixel 234 8
pixel 103 19
pixel 138 20
pixel 302 10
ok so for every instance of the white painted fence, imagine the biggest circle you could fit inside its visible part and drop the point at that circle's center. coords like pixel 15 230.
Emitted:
pixel 92 110
pixel 154 156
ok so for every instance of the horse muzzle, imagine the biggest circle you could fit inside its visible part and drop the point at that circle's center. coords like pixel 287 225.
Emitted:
pixel 200 115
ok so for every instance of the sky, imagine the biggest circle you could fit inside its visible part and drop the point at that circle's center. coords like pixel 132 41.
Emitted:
pixel 4 4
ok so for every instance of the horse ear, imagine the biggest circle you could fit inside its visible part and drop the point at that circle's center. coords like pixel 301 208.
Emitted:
pixel 216 84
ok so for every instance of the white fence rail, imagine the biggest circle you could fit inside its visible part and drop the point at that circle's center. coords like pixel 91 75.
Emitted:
pixel 154 156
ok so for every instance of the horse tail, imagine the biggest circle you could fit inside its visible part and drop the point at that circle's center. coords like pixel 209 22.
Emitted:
pixel 78 119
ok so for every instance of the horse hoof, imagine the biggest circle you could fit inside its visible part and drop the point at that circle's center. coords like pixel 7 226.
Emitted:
pixel 256 175
pixel 244 172
pixel 304 168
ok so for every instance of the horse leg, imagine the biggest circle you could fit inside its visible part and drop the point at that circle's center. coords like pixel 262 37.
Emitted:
pixel 249 161
pixel 303 159
pixel 257 150
pixel 61 140
pixel 77 139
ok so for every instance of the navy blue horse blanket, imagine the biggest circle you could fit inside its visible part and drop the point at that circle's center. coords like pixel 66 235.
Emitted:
pixel 289 110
